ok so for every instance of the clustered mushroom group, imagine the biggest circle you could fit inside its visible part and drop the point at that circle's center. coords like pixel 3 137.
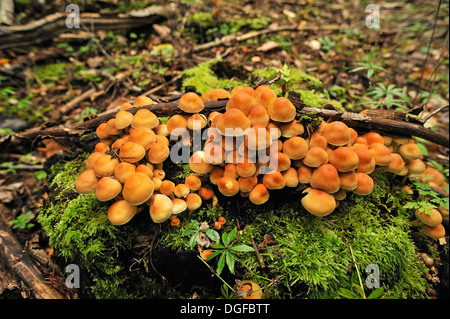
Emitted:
pixel 254 146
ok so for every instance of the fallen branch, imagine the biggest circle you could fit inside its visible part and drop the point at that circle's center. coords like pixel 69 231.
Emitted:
pixel 45 29
pixel 11 253
pixel 391 123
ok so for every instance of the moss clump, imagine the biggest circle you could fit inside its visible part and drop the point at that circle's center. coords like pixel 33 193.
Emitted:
pixel 310 88
pixel 79 231
pixel 203 78
pixel 311 257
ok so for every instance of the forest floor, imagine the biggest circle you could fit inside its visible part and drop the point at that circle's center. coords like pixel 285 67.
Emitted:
pixel 401 65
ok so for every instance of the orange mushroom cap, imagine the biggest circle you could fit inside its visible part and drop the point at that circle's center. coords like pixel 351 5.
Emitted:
pixel 193 182
pixel 143 136
pixel 416 166
pixel 326 178
pixel 160 208
pixel 158 153
pixel 258 116
pixel 295 147
pixel 315 157
pixel 337 133
pixel 105 165
pixel 123 171
pixel 365 184
pixel 304 174
pixel 144 118
pixel 107 188
pixel 410 151
pixel 228 186
pixel 434 231
pixel 191 103
pixel 142 100
pixel 318 202
pixel 396 165
pixel 259 194
pixel 121 212
pixel 274 180
pixel 344 159
pixel 86 182
pixel 431 218
pixel 241 101
pixel 233 123
pixel 281 110
pixel 381 154
pixel 138 188
pixel 198 163
pixel 131 152
pixel 349 180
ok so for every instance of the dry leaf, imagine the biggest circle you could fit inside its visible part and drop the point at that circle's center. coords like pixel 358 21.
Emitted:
pixel 267 46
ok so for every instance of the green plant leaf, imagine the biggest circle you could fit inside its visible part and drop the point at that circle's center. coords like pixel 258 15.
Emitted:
pixel 214 254
pixel 241 248
pixel 348 294
pixel 376 293
pixel 193 241
pixel 229 260
pixel 217 246
pixel 212 234
pixel 189 232
pixel 220 264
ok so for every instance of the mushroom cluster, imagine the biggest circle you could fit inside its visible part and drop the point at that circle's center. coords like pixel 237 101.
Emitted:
pixel 126 167
pixel 255 146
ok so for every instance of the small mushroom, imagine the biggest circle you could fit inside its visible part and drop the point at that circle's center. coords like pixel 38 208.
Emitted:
pixel 318 202
pixel 121 212
pixel 138 188
pixel 396 165
pixel 344 159
pixel 160 208
pixel 123 171
pixel 198 163
pixel 179 206
pixel 228 186
pixel 435 232
pixel 123 119
pixel 190 102
pixel 107 189
pixel 431 218
pixel 142 100
pixel 259 194
pixel 281 110
pixel 193 182
pixel 193 201
pixel 315 157
pixel 86 182
pixel 326 178
pixel 337 133
pixel 410 151
pixel 131 152
pixel 295 147
pixel 365 184
pixel 144 118
pixel 143 136
pixel 233 123
pixel 105 165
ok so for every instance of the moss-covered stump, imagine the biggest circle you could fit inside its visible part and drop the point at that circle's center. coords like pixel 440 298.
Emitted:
pixel 300 256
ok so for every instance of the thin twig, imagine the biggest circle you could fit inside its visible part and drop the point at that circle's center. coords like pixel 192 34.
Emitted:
pixel 258 256
pixel 436 111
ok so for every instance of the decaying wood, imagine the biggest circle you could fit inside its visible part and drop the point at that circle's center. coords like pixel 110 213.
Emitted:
pixel 13 256
pixel 390 123
pixel 50 26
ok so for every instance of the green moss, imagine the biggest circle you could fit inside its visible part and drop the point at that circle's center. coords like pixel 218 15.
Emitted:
pixel 310 88
pixel 204 78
